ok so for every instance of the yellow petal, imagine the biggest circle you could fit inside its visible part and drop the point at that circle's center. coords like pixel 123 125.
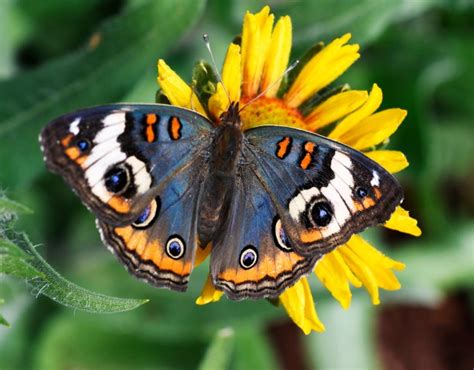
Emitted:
pixel 372 255
pixel 374 129
pixel 334 108
pixel 201 254
pixel 256 35
pixel 231 77
pixel 219 102
pixel 231 72
pixel 370 106
pixel 362 271
pixel 176 90
pixel 349 274
pixel 322 69
pixel 277 57
pixel 209 294
pixel 298 303
pixel 401 221
pixel 392 160
pixel 332 274
pixel 371 266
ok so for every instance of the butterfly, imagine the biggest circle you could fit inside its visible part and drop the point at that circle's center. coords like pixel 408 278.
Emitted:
pixel 166 183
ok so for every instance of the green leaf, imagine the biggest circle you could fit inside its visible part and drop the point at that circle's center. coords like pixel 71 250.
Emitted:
pixel 253 349
pixel 20 259
pixel 51 284
pixel 13 30
pixel 3 321
pixel 7 247
pixel 18 267
pixel 103 71
pixel 10 206
pixel 218 354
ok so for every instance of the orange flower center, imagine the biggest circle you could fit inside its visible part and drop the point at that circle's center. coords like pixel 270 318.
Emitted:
pixel 269 111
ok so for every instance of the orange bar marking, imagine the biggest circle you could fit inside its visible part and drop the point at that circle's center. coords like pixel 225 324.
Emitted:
pixel 151 118
pixel 119 204
pixel 283 147
pixel 308 158
pixel 66 140
pixel 175 128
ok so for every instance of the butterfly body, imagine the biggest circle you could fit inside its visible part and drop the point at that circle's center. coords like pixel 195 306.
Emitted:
pixel 227 144
pixel 165 183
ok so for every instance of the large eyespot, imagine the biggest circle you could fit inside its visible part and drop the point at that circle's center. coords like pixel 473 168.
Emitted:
pixel 175 247
pixel 148 215
pixel 280 237
pixel 117 179
pixel 361 192
pixel 83 145
pixel 321 213
pixel 248 257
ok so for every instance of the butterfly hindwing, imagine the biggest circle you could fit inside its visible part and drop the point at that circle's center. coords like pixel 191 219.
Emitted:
pixel 117 156
pixel 325 190
pixel 252 257
pixel 160 246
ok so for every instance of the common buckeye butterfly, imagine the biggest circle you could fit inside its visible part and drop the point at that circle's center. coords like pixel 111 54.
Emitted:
pixel 164 181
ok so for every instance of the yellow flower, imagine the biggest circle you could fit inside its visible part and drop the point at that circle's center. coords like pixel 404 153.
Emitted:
pixel 256 67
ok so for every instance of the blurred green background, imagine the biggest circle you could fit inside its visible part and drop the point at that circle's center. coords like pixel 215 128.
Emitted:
pixel 57 56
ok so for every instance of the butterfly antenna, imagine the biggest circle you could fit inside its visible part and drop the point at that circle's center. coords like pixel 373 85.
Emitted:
pixel 285 72
pixel 205 37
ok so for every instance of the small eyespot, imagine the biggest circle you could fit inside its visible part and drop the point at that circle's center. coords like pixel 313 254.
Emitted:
pixel 248 257
pixel 148 215
pixel 361 192
pixel 321 214
pixel 83 145
pixel 175 247
pixel 281 238
pixel 117 179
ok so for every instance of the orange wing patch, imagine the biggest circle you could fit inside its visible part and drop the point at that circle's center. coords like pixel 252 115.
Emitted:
pixel 368 202
pixel 150 134
pixel 311 236
pixel 174 128
pixel 307 156
pixel 152 251
pixel 284 147
pixel 66 140
pixel 119 204
pixel 268 267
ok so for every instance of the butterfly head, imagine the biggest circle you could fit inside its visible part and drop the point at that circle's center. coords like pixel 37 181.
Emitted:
pixel 232 116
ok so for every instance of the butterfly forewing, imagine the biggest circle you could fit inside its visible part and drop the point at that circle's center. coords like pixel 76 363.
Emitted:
pixel 117 156
pixel 325 190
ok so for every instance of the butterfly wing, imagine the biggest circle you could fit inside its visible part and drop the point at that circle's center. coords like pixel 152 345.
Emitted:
pixel 324 191
pixel 118 157
pixel 252 257
pixel 160 246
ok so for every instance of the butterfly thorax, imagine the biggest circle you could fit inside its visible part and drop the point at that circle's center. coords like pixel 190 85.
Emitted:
pixel 219 185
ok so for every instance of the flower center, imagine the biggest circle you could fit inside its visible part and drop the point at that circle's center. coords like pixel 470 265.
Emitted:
pixel 269 111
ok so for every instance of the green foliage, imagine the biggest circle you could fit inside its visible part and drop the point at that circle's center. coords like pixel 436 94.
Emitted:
pixel 19 258
pixel 219 351
pixel 58 56
pixel 3 321
pixel 124 47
